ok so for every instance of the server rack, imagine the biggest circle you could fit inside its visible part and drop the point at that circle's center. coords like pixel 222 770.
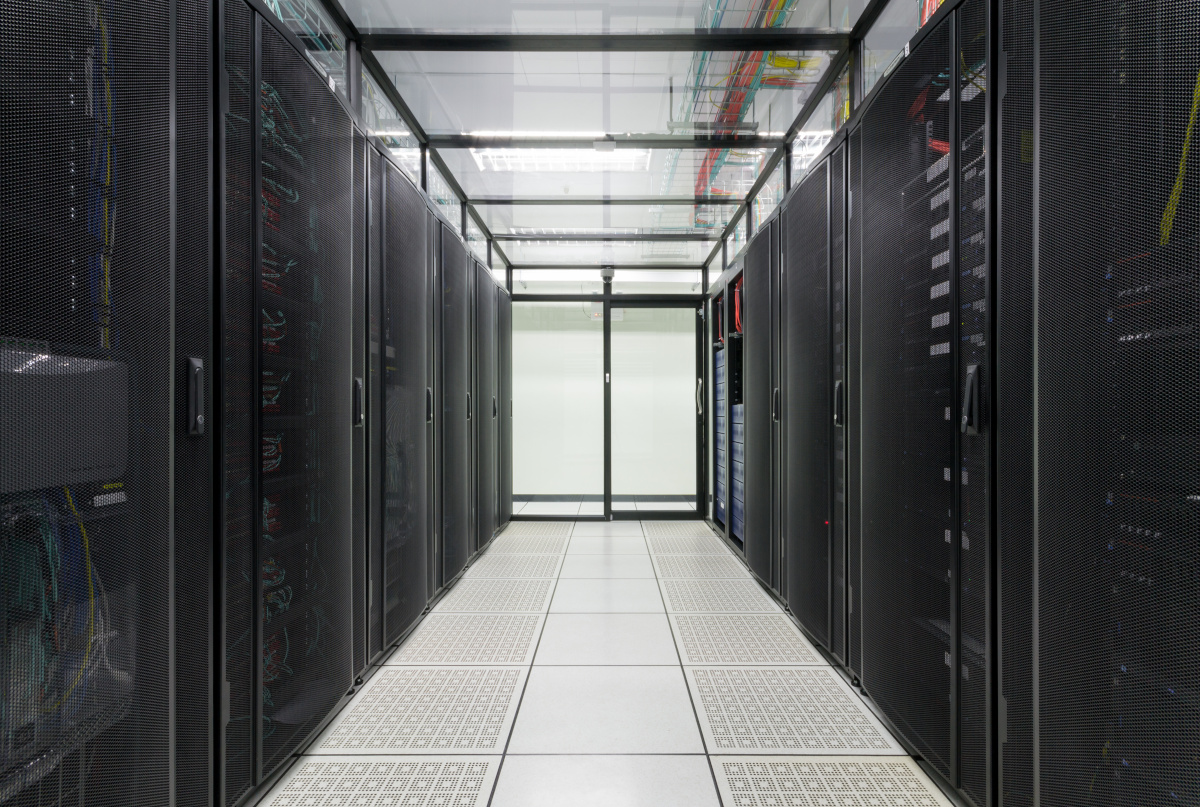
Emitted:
pixel 837 403
pixel 457 427
pixel 408 407
pixel 852 403
pixel 504 341
pixel 760 411
pixel 104 344
pixel 735 378
pixel 908 437
pixel 720 417
pixel 376 434
pixel 809 422
pixel 487 408
pixel 360 552
pixel 1097 353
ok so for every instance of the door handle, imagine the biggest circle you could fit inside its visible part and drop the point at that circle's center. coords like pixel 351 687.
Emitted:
pixel 839 418
pixel 699 404
pixel 970 403
pixel 495 409
pixel 359 417
pixel 775 405
pixel 195 397
pixel 429 405
pixel 468 406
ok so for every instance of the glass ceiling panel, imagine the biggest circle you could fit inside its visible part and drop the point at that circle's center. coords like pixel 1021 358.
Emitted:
pixel 615 219
pixel 629 173
pixel 601 253
pixel 588 94
pixel 600 16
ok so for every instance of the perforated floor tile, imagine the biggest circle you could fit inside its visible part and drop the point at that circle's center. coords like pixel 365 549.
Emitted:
pixel 678 529
pixel 741 639
pixel 512 564
pixel 686 545
pixel 699 566
pixel 784 710
pixel 386 781
pixel 716 596
pixel 472 639
pixel 842 781
pixel 526 528
pixel 423 710
pixel 491 596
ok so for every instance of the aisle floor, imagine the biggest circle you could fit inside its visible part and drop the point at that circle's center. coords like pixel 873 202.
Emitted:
pixel 626 663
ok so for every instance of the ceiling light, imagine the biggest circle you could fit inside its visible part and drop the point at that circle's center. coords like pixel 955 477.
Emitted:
pixel 510 160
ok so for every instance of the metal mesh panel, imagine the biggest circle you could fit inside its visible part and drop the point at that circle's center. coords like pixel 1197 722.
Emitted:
pixel 194 505
pixel 806 275
pixel 907 403
pixel 359 344
pixel 306 445
pixel 376 437
pixel 85 404
pixel 456 390
pixel 405 339
pixel 241 507
pixel 759 392
pixel 1117 604
pixel 974 536
pixel 486 492
pixel 837 336
pixel 1014 414
pixel 853 405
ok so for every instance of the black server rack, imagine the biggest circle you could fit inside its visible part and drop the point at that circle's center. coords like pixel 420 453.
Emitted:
pixel 360 557
pixel 302 569
pixel 808 420
pixel 486 408
pixel 376 436
pixel 735 379
pixel 720 417
pixel 837 403
pixel 105 580
pixel 908 402
pixel 457 469
pixel 760 399
pixel 1098 350
pixel 408 407
pixel 504 341
pixel 434 427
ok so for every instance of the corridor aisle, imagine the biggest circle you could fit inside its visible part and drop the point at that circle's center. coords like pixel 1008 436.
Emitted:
pixel 606 664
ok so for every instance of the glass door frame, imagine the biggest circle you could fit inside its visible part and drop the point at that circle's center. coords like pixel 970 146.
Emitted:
pixel 695 302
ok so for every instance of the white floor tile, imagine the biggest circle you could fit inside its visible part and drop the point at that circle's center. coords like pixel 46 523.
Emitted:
pixel 606 781
pixel 623 505
pixel 741 640
pixel 607 528
pixel 551 509
pixel 591 509
pixel 731 596
pixel 770 781
pixel 471 639
pixel 518 507
pixel 514 564
pixel 606 597
pixel 678 529
pixel 608 566
pixel 346 780
pixel 427 710
pixel 606 710
pixel 606 545
pixel 698 567
pixel 496 596
pixel 602 639
pixel 666 506
pixel 784 710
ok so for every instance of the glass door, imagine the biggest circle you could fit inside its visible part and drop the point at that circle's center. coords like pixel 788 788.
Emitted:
pixel 656 396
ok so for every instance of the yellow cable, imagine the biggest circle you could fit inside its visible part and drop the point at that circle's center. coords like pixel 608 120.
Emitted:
pixel 1168 219
pixel 87 554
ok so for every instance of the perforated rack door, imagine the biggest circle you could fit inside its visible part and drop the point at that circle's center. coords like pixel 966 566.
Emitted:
pixel 759 394
pixel 456 427
pixel 1117 319
pixel 504 337
pixel 836 396
pixel 306 449
pixel 853 404
pixel 808 419
pixel 908 461
pixel 376 307
pixel 486 449
pixel 359 345
pixel 407 404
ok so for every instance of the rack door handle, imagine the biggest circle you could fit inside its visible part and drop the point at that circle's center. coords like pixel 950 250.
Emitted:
pixel 699 400
pixel 839 413
pixel 495 409
pixel 429 405
pixel 775 405
pixel 970 402
pixel 468 406
pixel 359 414
pixel 195 397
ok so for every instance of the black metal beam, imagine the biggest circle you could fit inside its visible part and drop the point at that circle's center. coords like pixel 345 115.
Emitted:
pixel 630 141
pixel 389 89
pixel 681 40
pixel 867 18
pixel 596 200
pixel 810 106
pixel 601 237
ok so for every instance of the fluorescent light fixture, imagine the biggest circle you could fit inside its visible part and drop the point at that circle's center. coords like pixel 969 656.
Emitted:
pixel 563 161
pixel 391 132
pixel 593 136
